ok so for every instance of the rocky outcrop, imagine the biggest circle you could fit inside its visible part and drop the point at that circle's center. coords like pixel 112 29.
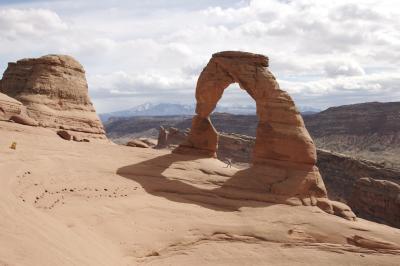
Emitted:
pixel 377 200
pixel 341 172
pixel 369 188
pixel 54 90
pixel 162 137
pixel 284 155
pixel 9 107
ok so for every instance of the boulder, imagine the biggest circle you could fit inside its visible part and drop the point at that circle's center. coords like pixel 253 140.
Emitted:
pixel 54 90
pixel 64 134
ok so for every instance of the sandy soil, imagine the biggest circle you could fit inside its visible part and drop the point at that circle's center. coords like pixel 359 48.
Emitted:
pixel 97 203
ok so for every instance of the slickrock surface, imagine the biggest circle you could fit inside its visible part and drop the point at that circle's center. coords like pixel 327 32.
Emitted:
pixel 375 200
pixel 284 155
pixel 378 200
pixel 8 107
pixel 117 205
pixel 54 90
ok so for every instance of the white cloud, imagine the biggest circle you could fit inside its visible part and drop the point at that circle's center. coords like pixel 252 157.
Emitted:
pixel 350 89
pixel 338 68
pixel 142 51
pixel 20 23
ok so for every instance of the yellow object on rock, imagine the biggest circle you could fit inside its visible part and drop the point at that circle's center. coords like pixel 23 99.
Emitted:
pixel 13 145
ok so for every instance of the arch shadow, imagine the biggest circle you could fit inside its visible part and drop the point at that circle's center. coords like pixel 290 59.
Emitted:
pixel 226 189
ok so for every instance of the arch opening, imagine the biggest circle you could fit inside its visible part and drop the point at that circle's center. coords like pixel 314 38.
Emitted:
pixel 235 122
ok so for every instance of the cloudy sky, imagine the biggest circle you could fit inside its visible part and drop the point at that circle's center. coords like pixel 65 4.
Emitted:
pixel 324 53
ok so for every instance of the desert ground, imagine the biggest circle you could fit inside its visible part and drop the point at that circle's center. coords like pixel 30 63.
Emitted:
pixel 97 203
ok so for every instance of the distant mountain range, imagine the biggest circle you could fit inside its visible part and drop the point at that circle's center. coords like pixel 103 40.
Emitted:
pixel 367 130
pixel 168 109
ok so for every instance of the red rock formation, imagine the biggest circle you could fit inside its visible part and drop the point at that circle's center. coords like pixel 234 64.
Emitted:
pixel 281 135
pixel 284 153
pixel 54 90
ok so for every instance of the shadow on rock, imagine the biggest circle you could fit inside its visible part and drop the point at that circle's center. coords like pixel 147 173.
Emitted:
pixel 216 187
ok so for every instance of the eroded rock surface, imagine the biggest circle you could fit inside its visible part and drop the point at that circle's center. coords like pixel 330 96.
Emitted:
pixel 341 172
pixel 377 200
pixel 54 90
pixel 9 107
pixel 284 154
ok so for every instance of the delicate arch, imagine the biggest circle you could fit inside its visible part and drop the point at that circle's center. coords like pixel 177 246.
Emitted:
pixel 281 134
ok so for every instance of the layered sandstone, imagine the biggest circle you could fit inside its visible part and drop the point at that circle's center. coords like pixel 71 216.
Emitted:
pixel 341 172
pixel 284 154
pixel 9 107
pixel 367 130
pixel 377 200
pixel 54 90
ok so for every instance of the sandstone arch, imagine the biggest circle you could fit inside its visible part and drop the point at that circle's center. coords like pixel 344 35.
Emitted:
pixel 284 154
pixel 281 134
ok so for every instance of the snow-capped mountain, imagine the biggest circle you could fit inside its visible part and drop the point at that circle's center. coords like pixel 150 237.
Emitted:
pixel 167 109
pixel 152 109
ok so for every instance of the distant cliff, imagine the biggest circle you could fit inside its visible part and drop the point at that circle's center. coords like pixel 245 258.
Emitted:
pixel 366 130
